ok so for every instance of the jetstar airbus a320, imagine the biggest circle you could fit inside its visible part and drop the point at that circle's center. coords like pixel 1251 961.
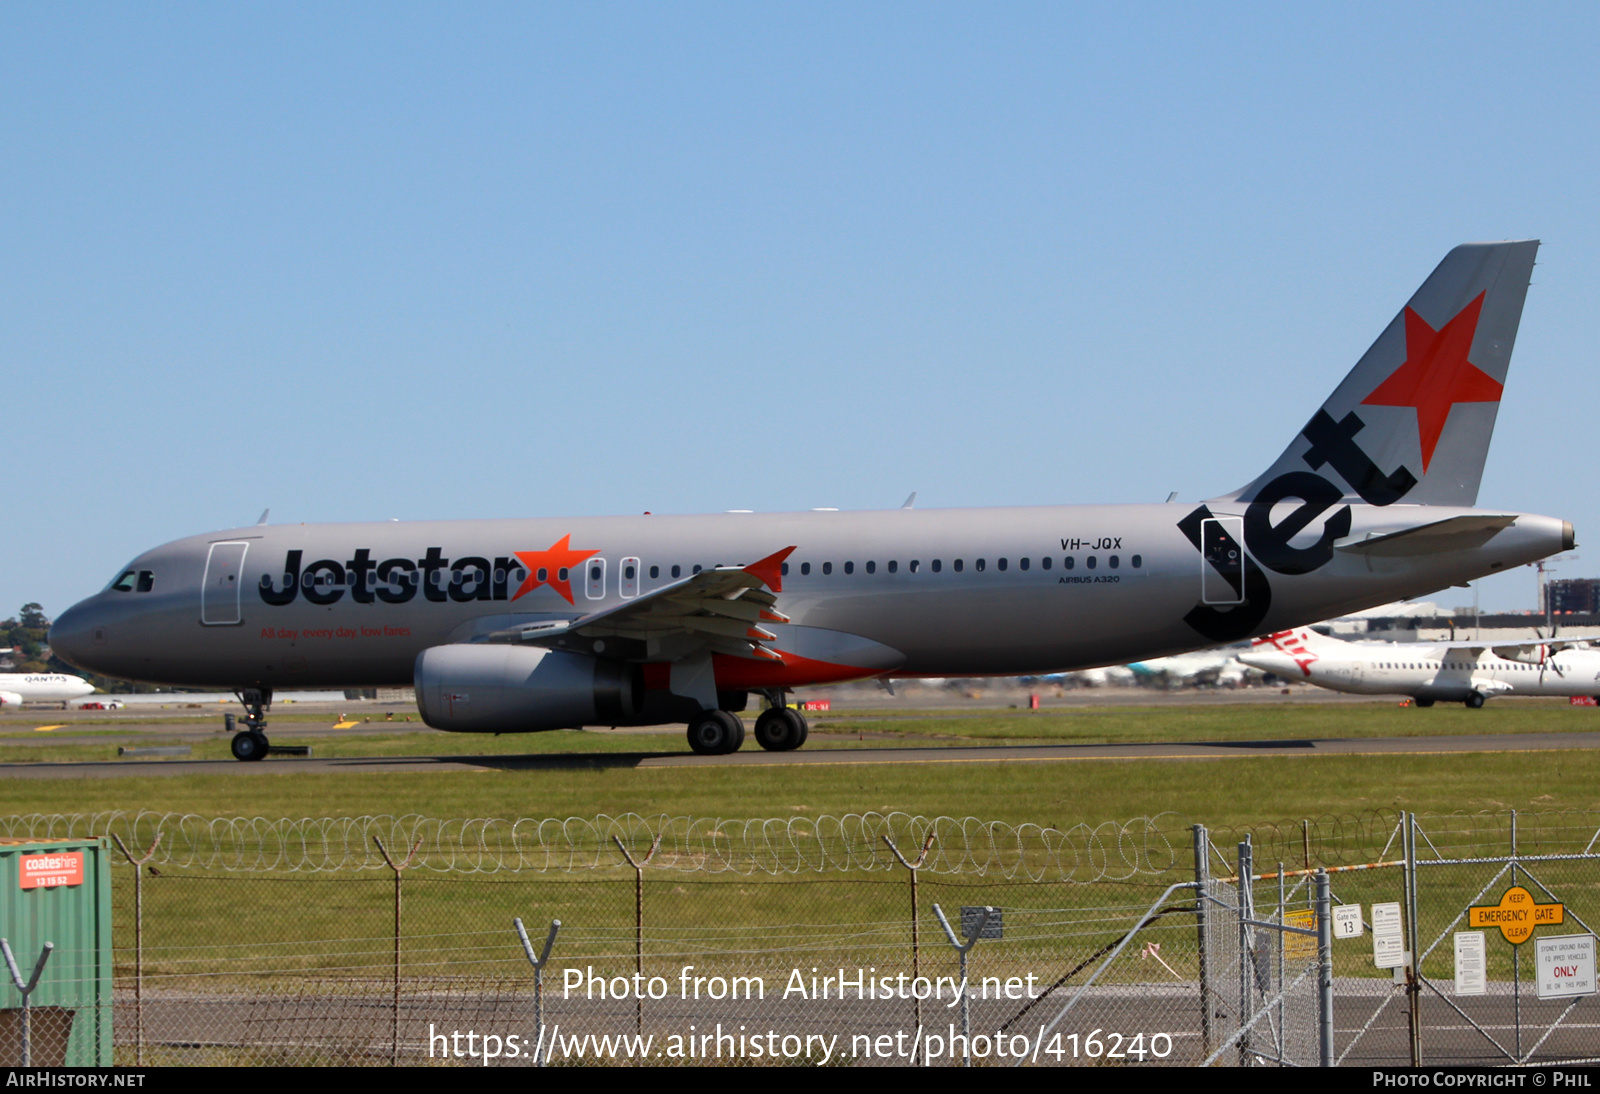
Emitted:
pixel 525 625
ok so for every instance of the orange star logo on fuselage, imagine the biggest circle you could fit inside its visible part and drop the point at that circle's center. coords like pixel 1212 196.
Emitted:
pixel 552 568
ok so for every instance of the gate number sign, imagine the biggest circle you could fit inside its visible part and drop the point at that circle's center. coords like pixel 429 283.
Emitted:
pixel 1516 915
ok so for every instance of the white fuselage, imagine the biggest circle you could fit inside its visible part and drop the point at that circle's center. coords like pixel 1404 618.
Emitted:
pixel 1425 670
pixel 42 687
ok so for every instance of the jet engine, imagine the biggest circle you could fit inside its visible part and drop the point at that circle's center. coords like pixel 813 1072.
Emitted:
pixel 10 699
pixel 518 689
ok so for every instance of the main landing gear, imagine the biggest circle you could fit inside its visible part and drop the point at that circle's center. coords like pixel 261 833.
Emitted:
pixel 251 743
pixel 778 729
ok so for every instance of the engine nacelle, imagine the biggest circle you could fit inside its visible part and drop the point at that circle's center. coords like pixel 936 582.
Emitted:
pixel 10 699
pixel 519 689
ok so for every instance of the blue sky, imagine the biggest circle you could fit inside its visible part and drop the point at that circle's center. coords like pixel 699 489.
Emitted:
pixel 359 262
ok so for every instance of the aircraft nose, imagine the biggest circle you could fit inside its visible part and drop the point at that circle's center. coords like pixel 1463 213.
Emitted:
pixel 72 634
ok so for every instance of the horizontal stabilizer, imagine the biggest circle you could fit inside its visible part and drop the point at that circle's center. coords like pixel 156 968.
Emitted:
pixel 1455 534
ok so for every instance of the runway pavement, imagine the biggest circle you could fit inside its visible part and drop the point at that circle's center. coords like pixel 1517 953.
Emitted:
pixel 818 753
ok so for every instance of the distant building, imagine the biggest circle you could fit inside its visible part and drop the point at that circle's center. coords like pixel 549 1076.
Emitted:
pixel 1575 595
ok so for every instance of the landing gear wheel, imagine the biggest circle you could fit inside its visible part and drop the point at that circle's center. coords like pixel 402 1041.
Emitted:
pixel 716 733
pixel 1474 701
pixel 1424 702
pixel 780 730
pixel 249 746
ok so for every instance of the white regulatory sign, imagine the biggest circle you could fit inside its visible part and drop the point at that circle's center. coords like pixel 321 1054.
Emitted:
pixel 1471 966
pixel 1566 966
pixel 1347 921
pixel 1388 940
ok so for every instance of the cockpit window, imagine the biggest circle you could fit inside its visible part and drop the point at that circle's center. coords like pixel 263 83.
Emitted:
pixel 134 581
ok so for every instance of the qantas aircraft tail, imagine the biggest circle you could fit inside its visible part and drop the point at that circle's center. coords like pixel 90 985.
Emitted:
pixel 1412 421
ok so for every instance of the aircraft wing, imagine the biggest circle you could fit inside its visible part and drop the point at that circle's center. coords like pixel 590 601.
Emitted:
pixel 719 610
pixel 1452 534
pixel 1536 650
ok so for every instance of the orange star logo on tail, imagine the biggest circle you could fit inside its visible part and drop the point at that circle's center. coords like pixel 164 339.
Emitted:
pixel 551 568
pixel 1436 374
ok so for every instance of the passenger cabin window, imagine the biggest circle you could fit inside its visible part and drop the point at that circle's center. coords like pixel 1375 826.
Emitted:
pixel 595 585
pixel 849 567
pixel 827 568
pixel 784 569
pixel 677 571
pixel 1023 563
pixel 872 567
pixel 1089 562
pixel 982 565
pixel 1137 561
pixel 958 565
pixel 937 565
pixel 1044 563
pixel 1067 563
pixel 916 565
pixel 655 572
pixel 1113 562
pixel 805 569
pixel 893 566
pixel 1001 563
pixel 628 577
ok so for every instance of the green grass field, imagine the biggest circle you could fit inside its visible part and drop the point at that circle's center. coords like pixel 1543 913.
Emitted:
pixel 1242 790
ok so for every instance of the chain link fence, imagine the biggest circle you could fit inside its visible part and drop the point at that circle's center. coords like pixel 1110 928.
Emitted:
pixel 834 940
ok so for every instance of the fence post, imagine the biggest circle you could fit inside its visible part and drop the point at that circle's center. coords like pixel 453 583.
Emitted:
pixel 1516 951
pixel 138 942
pixel 1202 889
pixel 638 920
pixel 394 1026
pixel 538 964
pixel 1283 962
pixel 26 989
pixel 1324 970
pixel 966 996
pixel 913 867
pixel 1413 973
pixel 1247 957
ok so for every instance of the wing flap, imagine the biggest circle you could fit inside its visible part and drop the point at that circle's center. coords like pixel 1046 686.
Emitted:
pixel 719 610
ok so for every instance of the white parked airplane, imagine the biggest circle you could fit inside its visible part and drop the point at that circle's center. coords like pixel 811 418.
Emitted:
pixel 536 624
pixel 17 688
pixel 1219 666
pixel 1459 671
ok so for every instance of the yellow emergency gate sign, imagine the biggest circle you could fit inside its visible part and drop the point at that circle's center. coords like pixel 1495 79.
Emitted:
pixel 1517 915
pixel 1300 947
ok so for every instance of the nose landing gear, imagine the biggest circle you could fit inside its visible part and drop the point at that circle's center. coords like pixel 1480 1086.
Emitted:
pixel 251 743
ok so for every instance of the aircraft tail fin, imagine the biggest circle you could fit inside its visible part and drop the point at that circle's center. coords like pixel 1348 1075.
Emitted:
pixel 1412 420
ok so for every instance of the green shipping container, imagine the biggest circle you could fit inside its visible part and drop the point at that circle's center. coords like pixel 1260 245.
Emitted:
pixel 57 891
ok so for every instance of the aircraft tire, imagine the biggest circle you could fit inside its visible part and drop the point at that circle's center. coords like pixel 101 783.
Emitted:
pixel 780 730
pixel 716 733
pixel 1424 702
pixel 1474 701
pixel 249 747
